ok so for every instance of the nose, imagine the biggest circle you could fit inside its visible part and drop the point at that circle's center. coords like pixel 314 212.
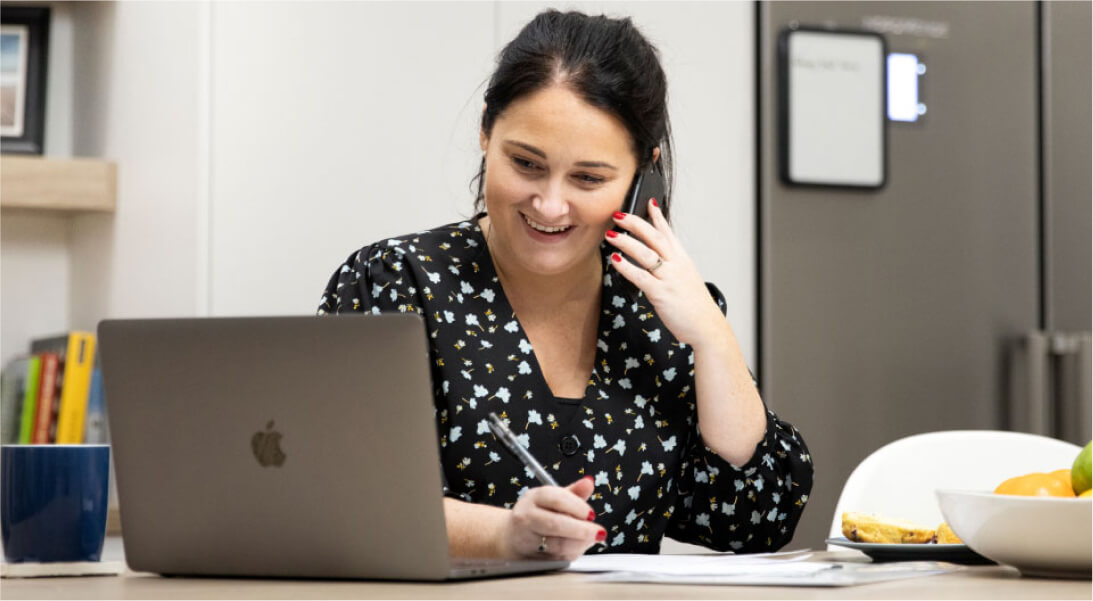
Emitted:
pixel 551 203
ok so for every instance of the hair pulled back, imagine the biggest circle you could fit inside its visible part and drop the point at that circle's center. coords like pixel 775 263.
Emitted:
pixel 605 61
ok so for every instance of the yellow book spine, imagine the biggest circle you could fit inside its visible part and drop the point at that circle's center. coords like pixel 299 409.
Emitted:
pixel 79 361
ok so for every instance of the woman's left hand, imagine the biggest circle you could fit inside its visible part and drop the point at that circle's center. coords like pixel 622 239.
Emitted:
pixel 667 276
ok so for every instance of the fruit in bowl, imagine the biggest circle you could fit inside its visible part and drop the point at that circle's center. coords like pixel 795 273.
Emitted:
pixel 1040 523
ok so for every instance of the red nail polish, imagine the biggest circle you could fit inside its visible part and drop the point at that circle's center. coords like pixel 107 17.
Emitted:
pixel 619 215
pixel 616 258
pixel 601 536
pixel 653 201
pixel 612 234
pixel 592 516
pixel 588 478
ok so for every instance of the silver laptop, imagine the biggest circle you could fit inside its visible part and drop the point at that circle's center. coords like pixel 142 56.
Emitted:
pixel 280 446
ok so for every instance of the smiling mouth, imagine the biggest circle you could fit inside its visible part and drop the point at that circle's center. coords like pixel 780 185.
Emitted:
pixel 546 229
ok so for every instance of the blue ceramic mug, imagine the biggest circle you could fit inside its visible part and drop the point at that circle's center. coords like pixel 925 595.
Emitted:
pixel 53 501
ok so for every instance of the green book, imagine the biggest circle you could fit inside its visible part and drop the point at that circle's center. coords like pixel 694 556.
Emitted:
pixel 30 400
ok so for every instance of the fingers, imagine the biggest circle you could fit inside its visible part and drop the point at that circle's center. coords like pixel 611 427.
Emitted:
pixel 638 275
pixel 563 501
pixel 646 232
pixel 582 488
pixel 645 256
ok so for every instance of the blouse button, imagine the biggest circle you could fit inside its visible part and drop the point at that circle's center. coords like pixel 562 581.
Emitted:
pixel 569 445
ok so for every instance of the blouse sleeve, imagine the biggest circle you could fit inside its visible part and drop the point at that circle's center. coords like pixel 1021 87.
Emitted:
pixel 750 508
pixel 376 279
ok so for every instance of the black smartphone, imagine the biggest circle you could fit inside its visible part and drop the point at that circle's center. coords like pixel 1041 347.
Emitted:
pixel 648 183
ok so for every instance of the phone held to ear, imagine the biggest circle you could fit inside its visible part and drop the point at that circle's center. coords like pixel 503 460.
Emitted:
pixel 648 183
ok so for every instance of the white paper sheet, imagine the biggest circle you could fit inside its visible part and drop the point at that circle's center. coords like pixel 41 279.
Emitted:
pixel 680 564
pixel 801 573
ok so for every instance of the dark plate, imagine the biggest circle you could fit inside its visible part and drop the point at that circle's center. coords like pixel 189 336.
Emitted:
pixel 913 551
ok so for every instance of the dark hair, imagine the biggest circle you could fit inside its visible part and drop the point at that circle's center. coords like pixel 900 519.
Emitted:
pixel 605 61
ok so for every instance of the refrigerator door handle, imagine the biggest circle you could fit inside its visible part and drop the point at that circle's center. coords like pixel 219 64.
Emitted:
pixel 1029 408
pixel 1071 363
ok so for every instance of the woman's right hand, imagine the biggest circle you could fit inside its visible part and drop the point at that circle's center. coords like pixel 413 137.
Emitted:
pixel 560 514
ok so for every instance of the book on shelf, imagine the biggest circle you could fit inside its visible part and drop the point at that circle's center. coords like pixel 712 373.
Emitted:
pixel 48 384
pixel 59 393
pixel 12 383
pixel 30 399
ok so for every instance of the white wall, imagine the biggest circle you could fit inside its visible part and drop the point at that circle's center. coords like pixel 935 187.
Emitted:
pixel 258 144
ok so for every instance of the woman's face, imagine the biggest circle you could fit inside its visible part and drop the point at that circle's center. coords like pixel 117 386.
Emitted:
pixel 557 168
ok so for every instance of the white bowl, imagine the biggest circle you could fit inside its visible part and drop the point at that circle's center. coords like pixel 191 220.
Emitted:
pixel 1040 536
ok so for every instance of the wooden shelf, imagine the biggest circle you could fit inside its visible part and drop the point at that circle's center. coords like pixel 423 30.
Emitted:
pixel 43 183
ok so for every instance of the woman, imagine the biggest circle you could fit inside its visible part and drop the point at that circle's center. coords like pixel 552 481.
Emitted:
pixel 532 313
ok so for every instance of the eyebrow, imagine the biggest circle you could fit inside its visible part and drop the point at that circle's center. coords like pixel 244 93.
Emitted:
pixel 541 154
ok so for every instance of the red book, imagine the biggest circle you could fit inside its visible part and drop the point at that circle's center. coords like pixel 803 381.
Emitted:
pixel 47 395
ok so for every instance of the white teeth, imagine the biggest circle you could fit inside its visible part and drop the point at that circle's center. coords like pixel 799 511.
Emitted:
pixel 543 228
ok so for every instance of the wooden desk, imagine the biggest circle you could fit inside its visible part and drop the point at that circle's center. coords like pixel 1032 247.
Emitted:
pixel 977 582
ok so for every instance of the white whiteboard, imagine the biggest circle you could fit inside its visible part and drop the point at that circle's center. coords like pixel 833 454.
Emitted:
pixel 833 108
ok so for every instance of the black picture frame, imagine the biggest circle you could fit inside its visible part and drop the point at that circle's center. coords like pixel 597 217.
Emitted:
pixel 22 126
pixel 783 109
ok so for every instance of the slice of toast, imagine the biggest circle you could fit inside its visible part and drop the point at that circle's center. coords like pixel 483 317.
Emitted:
pixel 871 528
pixel 946 536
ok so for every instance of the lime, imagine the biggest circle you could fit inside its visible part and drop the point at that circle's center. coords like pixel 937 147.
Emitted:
pixel 1080 477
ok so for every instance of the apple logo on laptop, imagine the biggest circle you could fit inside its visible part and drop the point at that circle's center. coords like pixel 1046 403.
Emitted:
pixel 267 447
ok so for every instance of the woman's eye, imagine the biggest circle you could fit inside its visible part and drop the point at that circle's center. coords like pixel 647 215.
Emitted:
pixel 590 179
pixel 524 164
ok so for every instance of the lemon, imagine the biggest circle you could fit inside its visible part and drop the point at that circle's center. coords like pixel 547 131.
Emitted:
pixel 1088 493
pixel 1080 477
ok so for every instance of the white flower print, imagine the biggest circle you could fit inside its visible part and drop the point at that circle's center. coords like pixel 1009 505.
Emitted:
pixel 607 508
pixel 453 269
pixel 524 440
pixel 654 335
pixel 523 369
pixel 755 517
pixel 702 519
pixel 487 294
pixel 600 344
pixel 625 384
pixel 466 288
pixel 669 374
pixel 618 301
pixel 525 346
pixel 619 322
pixel 639 423
pixel 739 484
pixel 503 394
pixel 640 401
pixel 449 316
pixel 759 484
pixel 631 363
pixel 472 320
pixel 511 327
pixel 630 517
pixel 444 386
pixel 483 427
pixel 618 540
pixel 598 442
pixel 534 418
pixel 480 390
pixel 591 455
pixel 433 277
pixel 728 509
pixel 601 478
pixel 455 433
pixel 466 374
pixel 646 470
pixel 587 424
pixel 701 476
pixel 633 492
pixel 376 290
pixel 620 446
pixel 669 444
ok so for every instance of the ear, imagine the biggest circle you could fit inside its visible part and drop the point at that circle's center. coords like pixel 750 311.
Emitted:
pixel 656 154
pixel 483 141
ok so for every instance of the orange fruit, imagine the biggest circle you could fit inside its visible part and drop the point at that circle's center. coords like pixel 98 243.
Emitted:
pixel 1063 475
pixel 1036 485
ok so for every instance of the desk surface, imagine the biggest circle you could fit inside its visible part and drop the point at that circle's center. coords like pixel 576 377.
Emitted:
pixel 976 582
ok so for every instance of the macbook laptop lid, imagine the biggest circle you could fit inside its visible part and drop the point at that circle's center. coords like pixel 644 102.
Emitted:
pixel 279 446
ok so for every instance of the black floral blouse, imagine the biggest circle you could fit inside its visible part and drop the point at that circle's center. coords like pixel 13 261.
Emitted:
pixel 635 430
